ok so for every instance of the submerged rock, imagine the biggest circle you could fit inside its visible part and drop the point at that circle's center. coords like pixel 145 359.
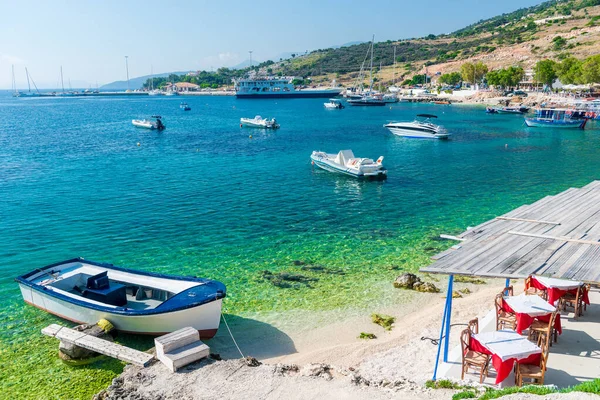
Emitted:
pixel 286 280
pixel 298 263
pixel 406 281
pixel 426 287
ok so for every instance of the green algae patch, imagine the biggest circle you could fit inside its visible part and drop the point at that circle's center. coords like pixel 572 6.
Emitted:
pixel 469 279
pixel 364 335
pixel 385 321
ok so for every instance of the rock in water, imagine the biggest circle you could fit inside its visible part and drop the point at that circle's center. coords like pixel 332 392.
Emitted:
pixel 73 353
pixel 426 287
pixel 406 281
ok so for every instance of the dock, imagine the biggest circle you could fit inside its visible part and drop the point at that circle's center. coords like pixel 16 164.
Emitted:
pixel 101 346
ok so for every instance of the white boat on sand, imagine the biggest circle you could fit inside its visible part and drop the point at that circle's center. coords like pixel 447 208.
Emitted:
pixel 344 162
pixel 421 129
pixel 259 122
pixel 84 291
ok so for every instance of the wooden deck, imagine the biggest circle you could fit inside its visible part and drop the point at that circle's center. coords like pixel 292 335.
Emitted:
pixel 557 236
pixel 98 345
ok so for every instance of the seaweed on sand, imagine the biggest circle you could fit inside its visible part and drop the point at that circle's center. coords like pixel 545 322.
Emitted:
pixel 385 321
pixel 286 280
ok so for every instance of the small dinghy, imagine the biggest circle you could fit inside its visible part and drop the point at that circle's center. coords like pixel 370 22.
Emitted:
pixel 184 106
pixel 491 110
pixel 149 124
pixel 345 163
pixel 259 122
pixel 513 110
pixel 334 104
pixel 84 292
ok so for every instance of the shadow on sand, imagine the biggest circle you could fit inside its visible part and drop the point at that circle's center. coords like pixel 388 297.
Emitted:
pixel 255 338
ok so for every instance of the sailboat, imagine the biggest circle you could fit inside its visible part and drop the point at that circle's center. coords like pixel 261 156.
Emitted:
pixel 369 98
pixel 153 92
pixel 16 93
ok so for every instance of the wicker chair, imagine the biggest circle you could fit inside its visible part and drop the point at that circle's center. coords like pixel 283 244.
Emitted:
pixel 544 331
pixel 534 372
pixel 473 325
pixel 503 318
pixel 509 291
pixel 530 290
pixel 573 300
pixel 472 359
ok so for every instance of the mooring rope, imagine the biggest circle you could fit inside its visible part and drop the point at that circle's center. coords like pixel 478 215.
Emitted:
pixel 231 334
pixel 436 341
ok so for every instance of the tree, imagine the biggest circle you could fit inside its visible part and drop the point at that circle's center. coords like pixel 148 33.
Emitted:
pixel 506 77
pixel 418 79
pixel 558 43
pixel 473 72
pixel 545 72
pixel 590 69
pixel 569 71
pixel 453 78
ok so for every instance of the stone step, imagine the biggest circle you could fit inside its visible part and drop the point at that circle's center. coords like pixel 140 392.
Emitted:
pixel 184 355
pixel 174 340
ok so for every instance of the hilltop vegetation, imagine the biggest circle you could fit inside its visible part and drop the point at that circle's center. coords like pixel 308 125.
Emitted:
pixel 556 30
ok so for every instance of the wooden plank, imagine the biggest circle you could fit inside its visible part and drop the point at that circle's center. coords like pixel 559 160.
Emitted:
pixel 99 345
pixel 561 238
pixel 528 220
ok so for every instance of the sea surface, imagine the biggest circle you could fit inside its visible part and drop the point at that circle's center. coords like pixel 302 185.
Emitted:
pixel 208 198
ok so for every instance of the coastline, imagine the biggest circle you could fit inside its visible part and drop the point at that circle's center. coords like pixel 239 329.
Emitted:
pixel 327 360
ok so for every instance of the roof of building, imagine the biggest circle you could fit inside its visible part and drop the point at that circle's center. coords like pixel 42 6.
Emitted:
pixel 187 85
pixel 557 236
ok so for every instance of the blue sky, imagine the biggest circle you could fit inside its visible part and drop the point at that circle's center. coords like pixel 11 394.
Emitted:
pixel 90 38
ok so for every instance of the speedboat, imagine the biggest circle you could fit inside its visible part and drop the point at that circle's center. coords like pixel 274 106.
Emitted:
pixel 345 163
pixel 422 129
pixel 491 110
pixel 513 110
pixel 334 104
pixel 259 122
pixel 184 106
pixel 134 301
pixel 371 100
pixel 557 118
pixel 149 124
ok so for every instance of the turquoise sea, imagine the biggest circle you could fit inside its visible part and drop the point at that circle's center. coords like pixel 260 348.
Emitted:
pixel 203 198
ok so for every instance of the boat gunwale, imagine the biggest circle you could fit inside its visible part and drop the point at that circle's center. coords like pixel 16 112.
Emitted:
pixel 22 280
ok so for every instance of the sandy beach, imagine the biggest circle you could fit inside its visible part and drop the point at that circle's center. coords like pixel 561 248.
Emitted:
pixel 326 361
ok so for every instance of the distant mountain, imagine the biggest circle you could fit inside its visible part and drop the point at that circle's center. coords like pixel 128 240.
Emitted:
pixel 136 83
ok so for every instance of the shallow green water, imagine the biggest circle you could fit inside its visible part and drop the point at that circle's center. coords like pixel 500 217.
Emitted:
pixel 203 198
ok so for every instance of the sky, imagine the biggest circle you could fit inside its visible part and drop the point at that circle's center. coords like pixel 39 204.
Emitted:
pixel 90 39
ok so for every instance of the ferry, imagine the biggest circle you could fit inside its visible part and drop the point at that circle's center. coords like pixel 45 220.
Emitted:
pixel 280 87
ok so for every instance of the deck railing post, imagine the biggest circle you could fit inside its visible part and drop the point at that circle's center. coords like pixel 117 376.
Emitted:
pixel 442 329
pixel 448 317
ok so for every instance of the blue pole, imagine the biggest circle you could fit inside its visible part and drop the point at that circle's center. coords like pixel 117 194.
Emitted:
pixel 437 358
pixel 449 298
pixel 507 284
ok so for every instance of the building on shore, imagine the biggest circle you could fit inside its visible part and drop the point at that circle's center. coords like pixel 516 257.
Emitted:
pixel 186 87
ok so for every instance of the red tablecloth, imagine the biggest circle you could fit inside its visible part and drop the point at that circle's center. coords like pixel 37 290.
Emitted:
pixel 555 293
pixel 524 321
pixel 503 368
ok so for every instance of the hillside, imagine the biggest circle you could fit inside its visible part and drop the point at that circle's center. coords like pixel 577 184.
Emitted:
pixel 136 83
pixel 521 38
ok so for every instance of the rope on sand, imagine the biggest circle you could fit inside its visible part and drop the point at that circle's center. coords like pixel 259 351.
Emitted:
pixel 231 334
pixel 435 341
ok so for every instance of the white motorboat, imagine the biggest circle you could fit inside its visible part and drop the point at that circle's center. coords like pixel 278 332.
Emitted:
pixel 418 129
pixel 84 291
pixel 334 104
pixel 390 98
pixel 149 124
pixel 154 92
pixel 259 122
pixel 345 163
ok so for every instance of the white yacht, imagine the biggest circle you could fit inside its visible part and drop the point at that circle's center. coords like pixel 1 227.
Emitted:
pixel 334 104
pixel 281 87
pixel 422 129
pixel 345 163
pixel 259 122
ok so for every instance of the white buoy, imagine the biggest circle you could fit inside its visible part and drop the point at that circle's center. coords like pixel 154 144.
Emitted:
pixel 138 143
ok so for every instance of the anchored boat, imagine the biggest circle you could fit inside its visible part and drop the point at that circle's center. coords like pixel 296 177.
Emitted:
pixel 84 291
pixel 259 122
pixel 513 110
pixel 418 129
pixel 184 106
pixel 148 124
pixel 557 118
pixel 334 104
pixel 345 163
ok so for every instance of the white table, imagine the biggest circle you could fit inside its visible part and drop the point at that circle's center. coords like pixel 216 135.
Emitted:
pixel 507 344
pixel 562 284
pixel 534 306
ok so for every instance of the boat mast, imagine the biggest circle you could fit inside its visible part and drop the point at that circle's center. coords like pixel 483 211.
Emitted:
pixel 394 66
pixel 371 73
pixel 28 84
pixel 62 82
pixel 151 78
pixel 29 77
pixel 14 82
pixel 380 66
